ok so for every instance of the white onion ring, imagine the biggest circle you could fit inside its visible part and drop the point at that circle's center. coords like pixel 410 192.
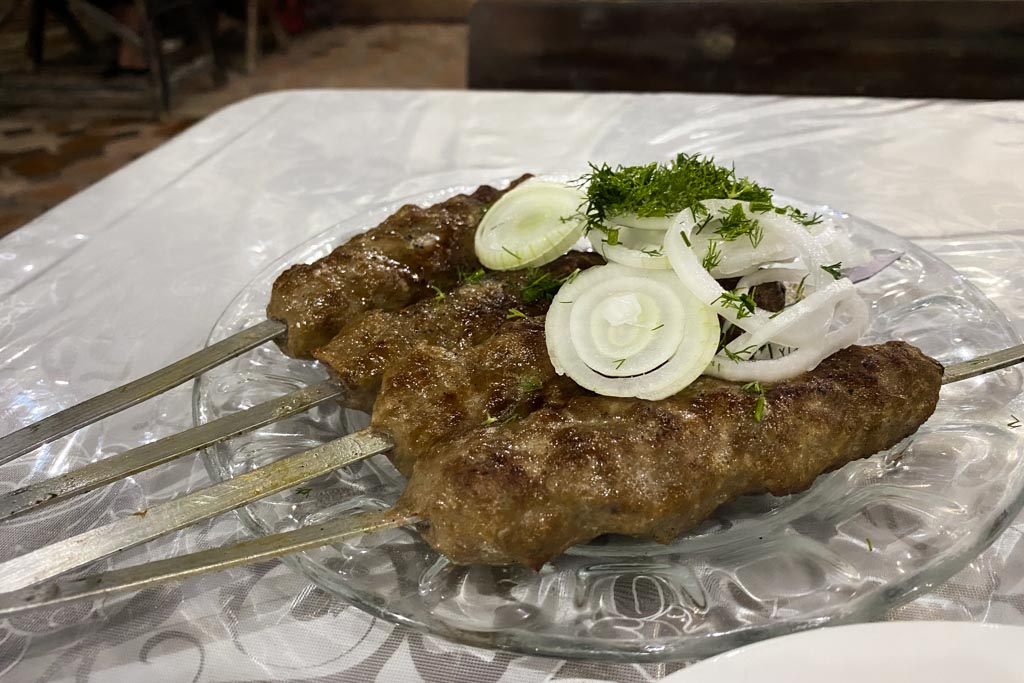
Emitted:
pixel 689 333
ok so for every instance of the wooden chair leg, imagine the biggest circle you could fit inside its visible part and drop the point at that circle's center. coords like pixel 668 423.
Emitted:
pixel 252 35
pixel 36 31
pixel 281 38
pixel 154 58
pixel 203 35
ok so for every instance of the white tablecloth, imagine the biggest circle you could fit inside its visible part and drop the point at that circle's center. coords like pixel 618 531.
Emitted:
pixel 132 273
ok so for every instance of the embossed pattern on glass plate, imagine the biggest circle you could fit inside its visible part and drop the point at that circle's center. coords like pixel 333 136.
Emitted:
pixel 863 539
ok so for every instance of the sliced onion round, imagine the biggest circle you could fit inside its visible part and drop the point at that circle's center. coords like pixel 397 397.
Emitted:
pixel 635 248
pixel 619 331
pixel 531 225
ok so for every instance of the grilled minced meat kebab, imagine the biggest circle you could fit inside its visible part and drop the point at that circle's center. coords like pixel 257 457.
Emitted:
pixel 495 489
pixel 469 314
pixel 389 267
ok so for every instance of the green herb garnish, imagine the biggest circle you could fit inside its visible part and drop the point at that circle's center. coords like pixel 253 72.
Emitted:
pixel 619 362
pixel 737 356
pixel 743 304
pixel 514 255
pixel 713 257
pixel 473 277
pixel 303 491
pixel 440 296
pixel 545 286
pixel 1015 422
pixel 514 313
pixel 835 270
pixel 531 384
pixel 488 420
pixel 734 224
pixel 663 189
pixel 762 403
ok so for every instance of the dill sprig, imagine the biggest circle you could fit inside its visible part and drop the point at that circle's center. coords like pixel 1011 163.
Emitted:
pixel 1014 423
pixel 835 270
pixel 531 384
pixel 514 313
pixel 737 356
pixel 734 224
pixel 440 295
pixel 544 285
pixel 761 404
pixel 471 277
pixel 743 304
pixel 713 257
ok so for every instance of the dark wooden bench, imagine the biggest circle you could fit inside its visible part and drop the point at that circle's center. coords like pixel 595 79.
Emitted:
pixel 904 48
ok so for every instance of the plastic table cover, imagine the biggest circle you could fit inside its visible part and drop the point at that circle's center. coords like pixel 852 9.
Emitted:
pixel 131 274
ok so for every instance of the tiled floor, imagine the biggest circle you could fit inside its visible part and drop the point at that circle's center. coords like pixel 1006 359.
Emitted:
pixel 48 155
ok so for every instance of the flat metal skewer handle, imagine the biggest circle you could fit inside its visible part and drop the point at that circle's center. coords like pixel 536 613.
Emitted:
pixel 85 413
pixel 150 455
pixel 57 558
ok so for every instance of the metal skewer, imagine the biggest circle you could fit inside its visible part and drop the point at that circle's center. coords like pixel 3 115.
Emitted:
pixel 198 563
pixel 70 419
pixel 165 450
pixel 57 558
pixel 50 561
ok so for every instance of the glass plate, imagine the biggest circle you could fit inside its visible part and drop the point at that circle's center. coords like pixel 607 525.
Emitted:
pixel 863 539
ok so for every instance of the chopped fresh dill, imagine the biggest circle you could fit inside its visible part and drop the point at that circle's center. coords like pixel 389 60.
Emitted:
pixel 514 255
pixel 440 296
pixel 799 295
pixel 737 356
pixel 472 277
pixel 652 252
pixel 713 257
pixel 488 420
pixel 531 384
pixel 655 329
pixel 565 302
pixel 835 270
pixel 744 304
pixel 664 189
pixel 871 546
pixel 1015 422
pixel 514 313
pixel 619 362
pixel 545 286
pixel 762 402
pixel 682 233
pixel 611 236
pixel 303 490
pixel 734 224
pixel 799 216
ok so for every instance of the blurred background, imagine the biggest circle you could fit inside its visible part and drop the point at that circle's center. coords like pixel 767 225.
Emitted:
pixel 87 86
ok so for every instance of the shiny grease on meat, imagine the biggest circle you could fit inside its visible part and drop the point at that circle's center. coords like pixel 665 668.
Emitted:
pixel 524 491
pixel 364 348
pixel 385 268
